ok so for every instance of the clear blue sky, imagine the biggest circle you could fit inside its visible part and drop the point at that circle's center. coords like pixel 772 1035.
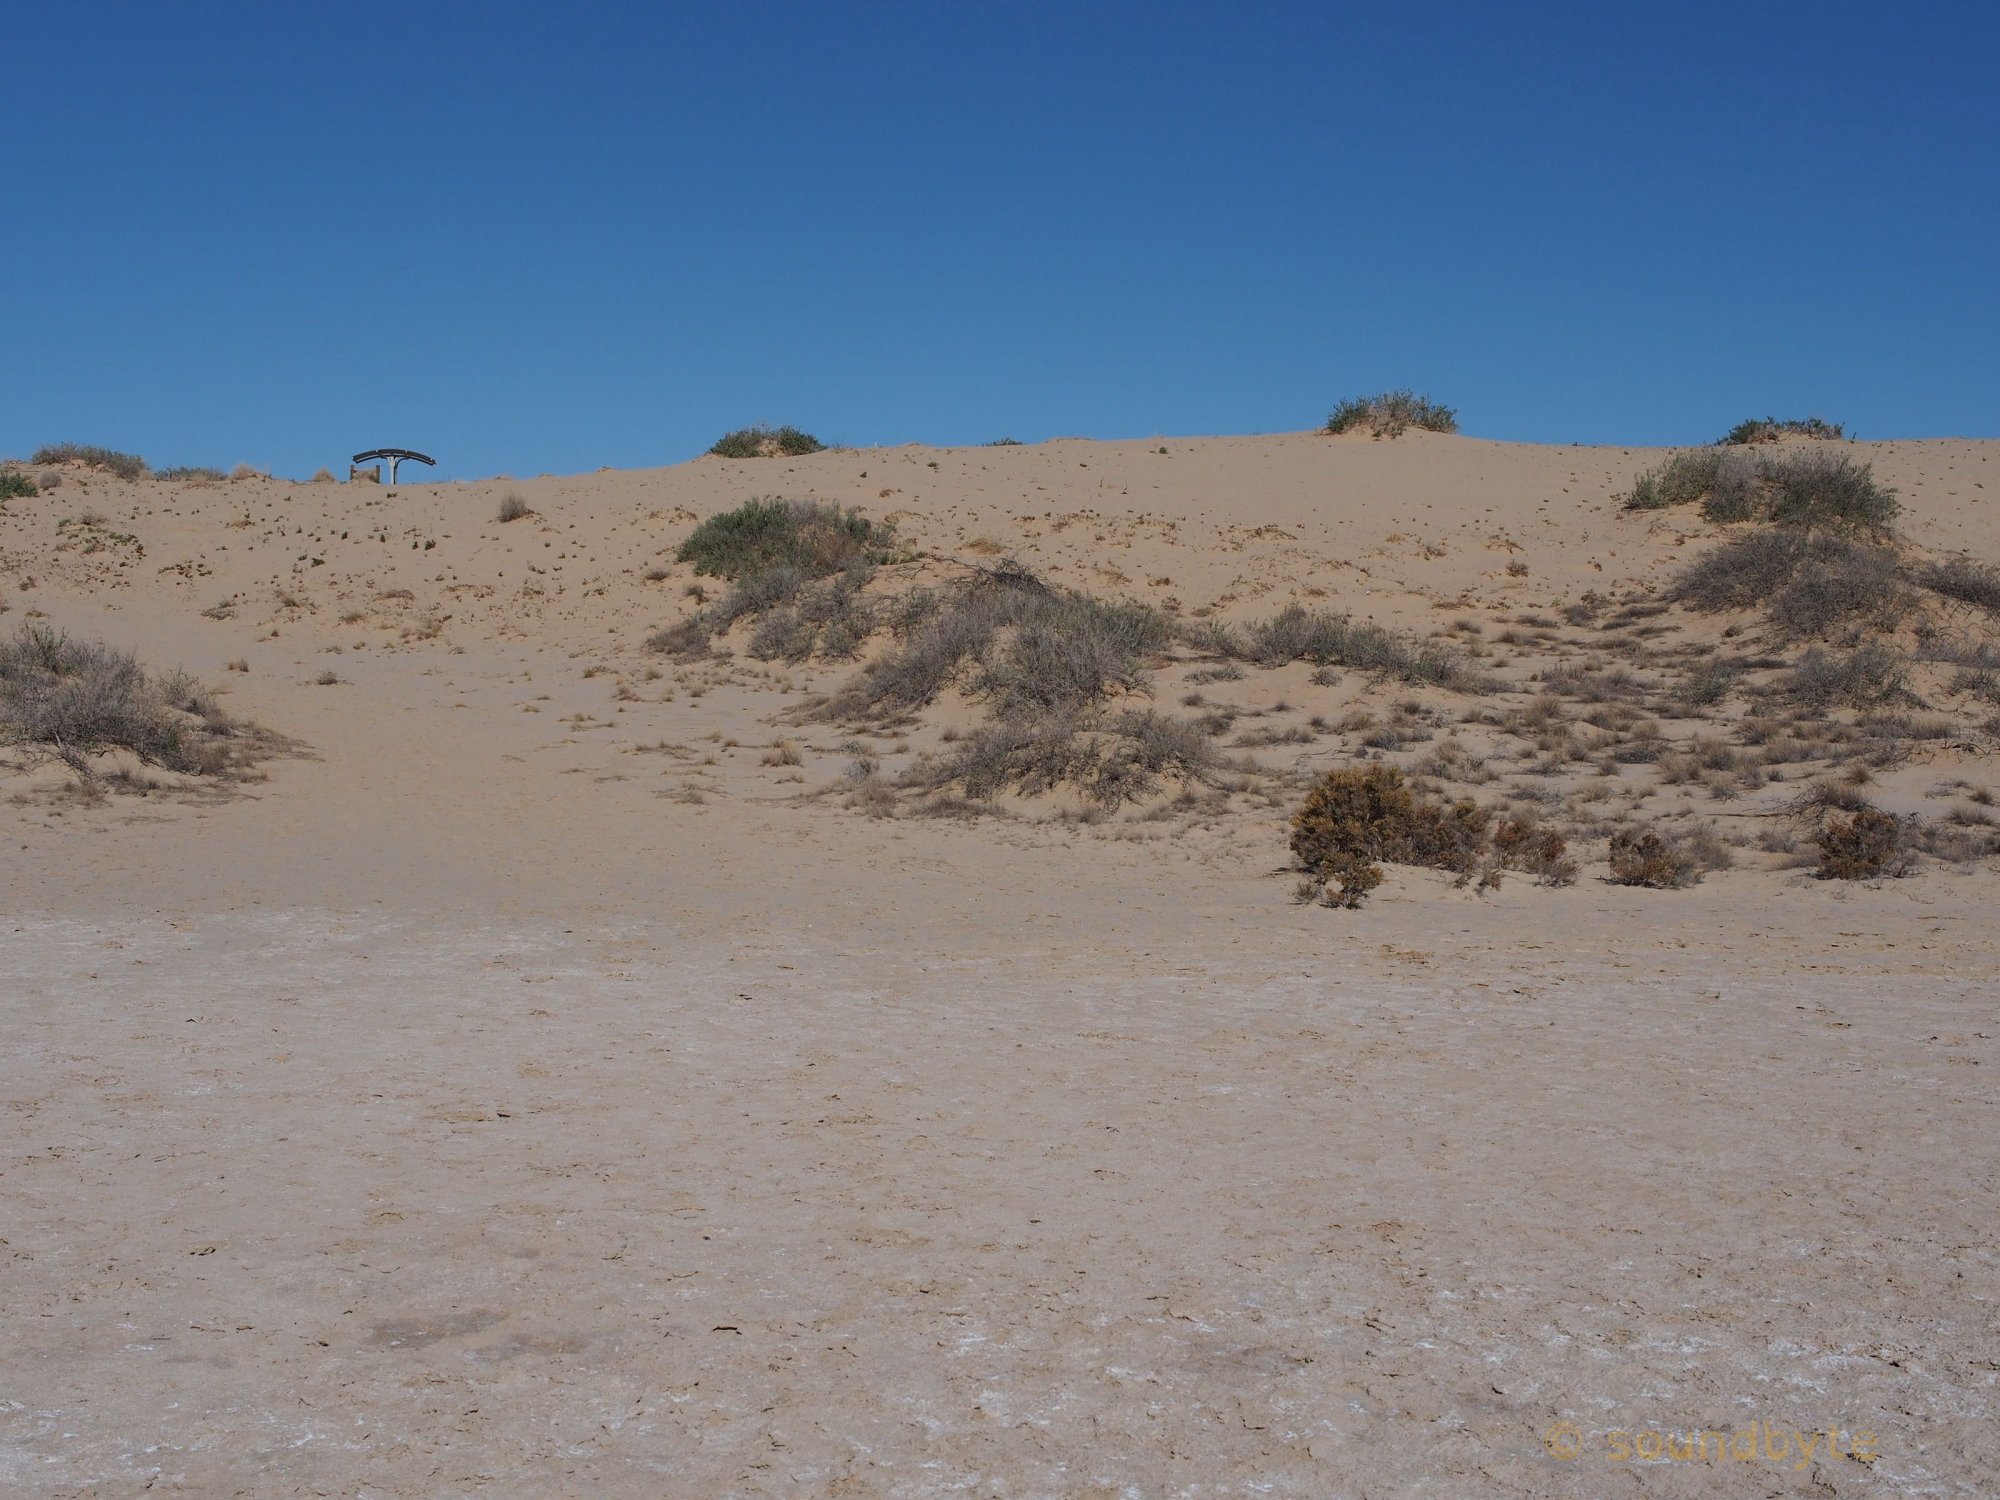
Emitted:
pixel 531 238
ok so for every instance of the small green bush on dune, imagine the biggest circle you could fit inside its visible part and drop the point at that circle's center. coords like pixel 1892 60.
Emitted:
pixel 16 485
pixel 75 699
pixel 815 536
pixel 766 442
pixel 1391 414
pixel 124 465
pixel 1770 430
pixel 1807 488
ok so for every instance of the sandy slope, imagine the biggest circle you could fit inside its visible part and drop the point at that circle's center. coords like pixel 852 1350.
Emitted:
pixel 492 1102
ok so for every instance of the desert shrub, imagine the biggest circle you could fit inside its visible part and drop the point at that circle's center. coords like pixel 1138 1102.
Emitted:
pixel 814 536
pixel 49 479
pixel 1299 634
pixel 1770 429
pixel 1355 817
pixel 1845 583
pixel 1070 649
pixel 1724 483
pixel 1865 845
pixel 513 508
pixel 782 634
pixel 324 476
pixel 75 699
pixel 247 471
pixel 1813 488
pixel 1109 760
pixel 1534 849
pixel 1808 580
pixel 1391 414
pixel 766 442
pixel 1650 858
pixel 15 485
pixel 1708 683
pixel 1964 579
pixel 124 465
pixel 1004 442
pixel 1872 674
pixel 1040 649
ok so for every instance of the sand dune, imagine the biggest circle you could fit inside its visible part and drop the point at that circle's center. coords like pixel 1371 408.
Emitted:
pixel 573 1070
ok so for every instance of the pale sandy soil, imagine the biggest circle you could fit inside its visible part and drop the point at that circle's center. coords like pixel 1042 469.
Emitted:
pixel 490 1104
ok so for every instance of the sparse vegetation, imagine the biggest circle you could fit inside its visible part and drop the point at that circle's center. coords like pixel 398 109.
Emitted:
pixel 1355 817
pixel 1807 488
pixel 1868 844
pixel 1647 857
pixel 191 474
pixel 1963 579
pixel 814 536
pixel 1299 634
pixel 766 442
pixel 1873 674
pixel 123 465
pixel 75 700
pixel 1391 414
pixel 1771 430
pixel 514 508
pixel 16 485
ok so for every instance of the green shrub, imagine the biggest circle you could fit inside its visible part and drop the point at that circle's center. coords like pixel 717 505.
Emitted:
pixel 1299 634
pixel 1871 675
pixel 124 465
pixel 766 442
pixel 1355 817
pixel 1805 488
pixel 1645 857
pixel 1808 581
pixel 1770 430
pixel 1110 760
pixel 75 699
pixel 1682 480
pixel 16 485
pixel 1391 414
pixel 1040 649
pixel 1866 845
pixel 814 536
pixel 187 473
pixel 1812 488
pixel 1963 579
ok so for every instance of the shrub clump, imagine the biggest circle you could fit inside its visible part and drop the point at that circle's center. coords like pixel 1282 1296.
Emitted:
pixel 1109 759
pixel 1770 430
pixel 1037 649
pixel 815 536
pixel 1872 674
pixel 1391 414
pixel 1355 817
pixel 1866 845
pixel 1646 857
pixel 1726 484
pixel 191 473
pixel 1808 581
pixel 75 699
pixel 16 485
pixel 514 508
pixel 766 442
pixel 1963 579
pixel 1806 488
pixel 1299 634
pixel 123 465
